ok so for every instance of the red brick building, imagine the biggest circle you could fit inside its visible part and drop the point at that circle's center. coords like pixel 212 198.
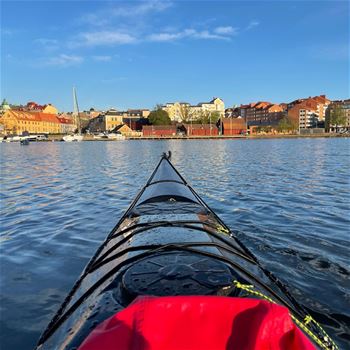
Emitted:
pixel 308 112
pixel 304 114
pixel 262 113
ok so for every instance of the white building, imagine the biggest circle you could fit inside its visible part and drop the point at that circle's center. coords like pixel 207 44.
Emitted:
pixel 180 111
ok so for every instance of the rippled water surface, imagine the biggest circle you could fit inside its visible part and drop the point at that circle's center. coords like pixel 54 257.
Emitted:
pixel 289 198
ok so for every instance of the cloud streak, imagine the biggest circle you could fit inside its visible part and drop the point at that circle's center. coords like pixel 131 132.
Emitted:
pixel 102 38
pixel 102 58
pixel 64 60
pixel 252 24
pixel 228 30
pixel 124 10
pixel 219 33
pixel 114 38
pixel 115 25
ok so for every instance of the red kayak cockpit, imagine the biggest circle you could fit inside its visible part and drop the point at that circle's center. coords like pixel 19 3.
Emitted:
pixel 198 323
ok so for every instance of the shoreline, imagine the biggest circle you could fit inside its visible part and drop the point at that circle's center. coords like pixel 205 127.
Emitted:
pixel 58 138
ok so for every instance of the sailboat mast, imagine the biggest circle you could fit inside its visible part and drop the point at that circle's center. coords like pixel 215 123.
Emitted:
pixel 76 109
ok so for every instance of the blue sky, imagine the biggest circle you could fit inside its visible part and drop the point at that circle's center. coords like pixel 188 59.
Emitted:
pixel 137 54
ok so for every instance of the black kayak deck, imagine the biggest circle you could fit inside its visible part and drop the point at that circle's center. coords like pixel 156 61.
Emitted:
pixel 168 242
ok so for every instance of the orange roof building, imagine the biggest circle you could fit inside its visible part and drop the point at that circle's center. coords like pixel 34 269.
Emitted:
pixel 16 122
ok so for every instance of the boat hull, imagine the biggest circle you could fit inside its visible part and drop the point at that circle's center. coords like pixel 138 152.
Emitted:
pixel 168 243
pixel 73 138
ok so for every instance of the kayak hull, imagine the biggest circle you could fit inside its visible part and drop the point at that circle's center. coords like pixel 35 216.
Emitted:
pixel 168 243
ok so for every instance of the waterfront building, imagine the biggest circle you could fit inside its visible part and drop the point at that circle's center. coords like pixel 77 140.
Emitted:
pixel 159 130
pixel 183 111
pixel 97 124
pixel 112 118
pixel 34 107
pixel 345 105
pixel 136 124
pixel 178 111
pixel 67 124
pixel 92 113
pixel 134 118
pixel 262 113
pixel 201 129
pixel 234 126
pixel 322 102
pixel 266 113
pixel 18 122
pixel 309 112
pixel 304 114
pixel 137 113
pixel 124 130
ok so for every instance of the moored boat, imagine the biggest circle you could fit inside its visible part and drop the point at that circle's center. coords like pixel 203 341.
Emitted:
pixel 73 138
pixel 24 142
pixel 115 136
pixel 172 275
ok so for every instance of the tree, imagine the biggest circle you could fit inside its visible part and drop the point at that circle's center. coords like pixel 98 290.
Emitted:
pixel 207 117
pixel 335 117
pixel 214 117
pixel 159 117
pixel 287 125
pixel 186 113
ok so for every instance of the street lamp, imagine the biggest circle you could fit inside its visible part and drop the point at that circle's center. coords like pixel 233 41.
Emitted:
pixel 221 125
pixel 210 123
pixel 191 128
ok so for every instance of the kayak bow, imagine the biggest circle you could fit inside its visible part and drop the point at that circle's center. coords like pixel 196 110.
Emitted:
pixel 168 243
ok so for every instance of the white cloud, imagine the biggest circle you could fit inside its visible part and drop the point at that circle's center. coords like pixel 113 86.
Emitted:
pixel 126 10
pixel 205 34
pixel 225 30
pixel 162 37
pixel 102 38
pixel 142 8
pixel 187 33
pixel 252 24
pixel 113 38
pixel 102 58
pixel 64 60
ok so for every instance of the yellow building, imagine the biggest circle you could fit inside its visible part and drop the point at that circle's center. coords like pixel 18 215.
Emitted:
pixel 50 109
pixel 183 111
pixel 124 130
pixel 112 119
pixel 16 122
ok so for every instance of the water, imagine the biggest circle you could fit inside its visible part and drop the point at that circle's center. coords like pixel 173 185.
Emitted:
pixel 289 198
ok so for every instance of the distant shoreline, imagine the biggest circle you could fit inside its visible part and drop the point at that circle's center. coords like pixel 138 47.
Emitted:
pixel 58 138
